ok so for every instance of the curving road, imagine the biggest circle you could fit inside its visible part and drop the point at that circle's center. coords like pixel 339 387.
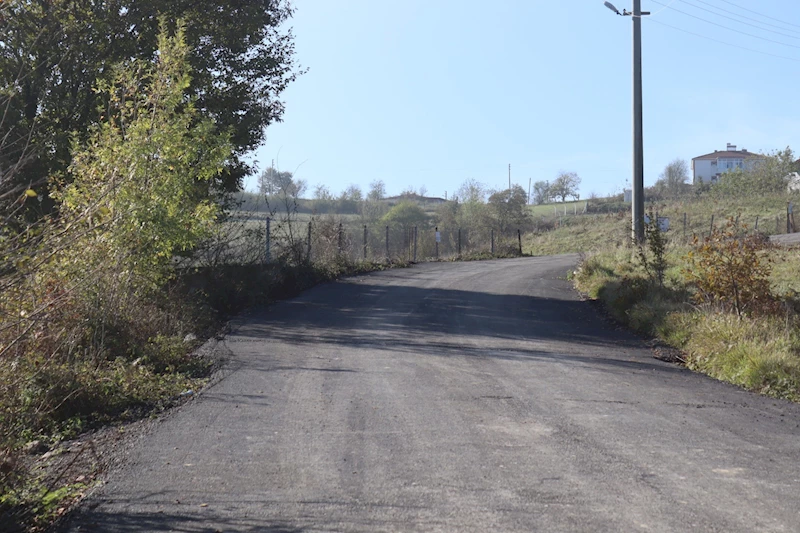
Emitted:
pixel 477 397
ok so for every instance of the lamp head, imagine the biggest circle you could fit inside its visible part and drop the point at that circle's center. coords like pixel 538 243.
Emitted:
pixel 610 6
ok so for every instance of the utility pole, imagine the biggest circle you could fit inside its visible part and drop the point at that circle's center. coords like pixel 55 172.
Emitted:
pixel 637 200
pixel 529 190
pixel 637 182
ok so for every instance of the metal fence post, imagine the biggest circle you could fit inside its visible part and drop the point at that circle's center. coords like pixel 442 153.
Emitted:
pixel 756 228
pixel 436 233
pixel 712 224
pixel 308 252
pixel 459 242
pixel 269 252
pixel 519 237
pixel 492 241
pixel 415 244
pixel 387 243
pixel 365 242
pixel 341 238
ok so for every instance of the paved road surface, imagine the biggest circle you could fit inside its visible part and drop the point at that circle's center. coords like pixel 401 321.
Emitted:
pixel 456 397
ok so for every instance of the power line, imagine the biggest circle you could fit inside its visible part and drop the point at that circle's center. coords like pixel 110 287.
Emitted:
pixel 758 26
pixel 729 28
pixel 722 42
pixel 749 18
pixel 760 14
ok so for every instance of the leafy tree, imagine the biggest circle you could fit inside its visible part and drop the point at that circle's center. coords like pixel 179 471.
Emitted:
pixel 350 199
pixel 471 191
pixel 541 192
pixel 509 208
pixel 673 180
pixel 377 191
pixel 406 215
pixel 768 176
pixel 273 181
pixel 135 180
pixel 52 53
pixel 566 184
pixel 324 202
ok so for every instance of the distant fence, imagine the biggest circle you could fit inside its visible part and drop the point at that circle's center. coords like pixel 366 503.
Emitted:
pixel 371 242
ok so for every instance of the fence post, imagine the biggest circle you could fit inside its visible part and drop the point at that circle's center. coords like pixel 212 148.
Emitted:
pixel 435 235
pixel 492 241
pixel 712 224
pixel 341 236
pixel 756 228
pixel 459 243
pixel 269 252
pixel 365 242
pixel 415 244
pixel 387 244
pixel 519 237
pixel 684 226
pixel 308 252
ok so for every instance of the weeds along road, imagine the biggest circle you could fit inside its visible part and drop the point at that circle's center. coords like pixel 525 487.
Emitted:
pixel 478 396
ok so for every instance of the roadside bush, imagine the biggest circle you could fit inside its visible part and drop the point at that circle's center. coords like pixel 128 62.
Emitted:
pixel 731 270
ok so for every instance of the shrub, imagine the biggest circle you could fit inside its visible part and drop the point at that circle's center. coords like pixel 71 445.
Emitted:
pixel 731 269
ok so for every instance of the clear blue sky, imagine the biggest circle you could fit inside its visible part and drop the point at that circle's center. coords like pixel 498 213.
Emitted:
pixel 432 92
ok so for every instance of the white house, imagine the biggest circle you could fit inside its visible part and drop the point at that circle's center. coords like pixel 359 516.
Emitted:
pixel 708 168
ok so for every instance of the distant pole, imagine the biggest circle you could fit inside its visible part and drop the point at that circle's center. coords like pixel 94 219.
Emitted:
pixel 459 242
pixel 269 252
pixel 387 243
pixel 756 228
pixel 341 236
pixel 308 252
pixel 492 241
pixel 365 242
pixel 436 233
pixel 519 237
pixel 529 190
pixel 415 244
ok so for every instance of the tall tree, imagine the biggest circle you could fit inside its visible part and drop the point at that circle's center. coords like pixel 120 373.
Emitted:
pixel 566 184
pixel 672 181
pixel 377 191
pixel 272 181
pixel 509 208
pixel 541 192
pixel 52 54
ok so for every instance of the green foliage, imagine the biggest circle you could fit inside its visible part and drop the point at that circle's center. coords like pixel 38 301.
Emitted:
pixel 764 177
pixel 731 270
pixel 652 253
pixel 142 177
pixel 406 215
pixel 53 53
pixel 508 208
pixel 566 184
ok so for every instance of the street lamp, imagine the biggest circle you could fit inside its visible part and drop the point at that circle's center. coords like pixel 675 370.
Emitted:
pixel 637 199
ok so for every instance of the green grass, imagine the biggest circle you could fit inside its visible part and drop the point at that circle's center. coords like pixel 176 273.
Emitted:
pixel 760 353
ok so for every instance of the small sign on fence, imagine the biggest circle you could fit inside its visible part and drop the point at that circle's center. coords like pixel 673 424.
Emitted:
pixel 438 237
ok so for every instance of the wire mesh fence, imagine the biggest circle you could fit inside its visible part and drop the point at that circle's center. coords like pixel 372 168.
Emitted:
pixel 329 239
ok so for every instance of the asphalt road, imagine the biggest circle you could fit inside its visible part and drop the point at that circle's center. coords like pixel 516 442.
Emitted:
pixel 479 397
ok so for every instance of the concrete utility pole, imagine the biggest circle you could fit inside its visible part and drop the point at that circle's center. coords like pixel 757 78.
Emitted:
pixel 637 199
pixel 637 184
